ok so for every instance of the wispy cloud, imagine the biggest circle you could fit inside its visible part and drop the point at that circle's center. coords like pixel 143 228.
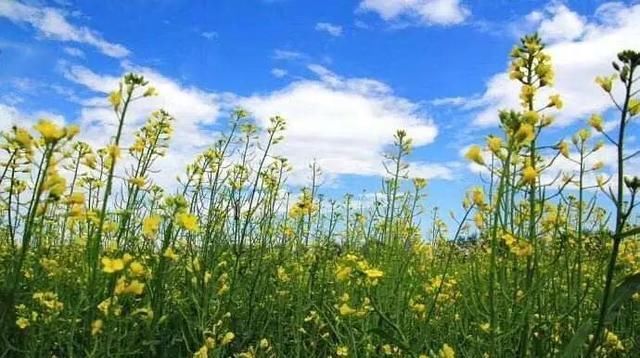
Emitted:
pixel 74 51
pixel 331 29
pixel 280 54
pixel 52 23
pixel 278 72
pixel 209 35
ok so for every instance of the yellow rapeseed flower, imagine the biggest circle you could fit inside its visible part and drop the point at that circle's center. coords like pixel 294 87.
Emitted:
pixel 525 133
pixel 477 195
pixel 342 351
pixel 529 175
pixel 138 181
pixel 606 83
pixel 446 352
pixel 113 151
pixel 346 310
pixel 50 131
pixel 563 148
pixel 474 154
pixel 71 131
pixel 150 225
pixel 24 139
pixel 170 254
pixel 227 338
pixel 531 117
pixel 136 269
pixel 135 288
pixel 373 273
pixel 112 265
pixel 96 327
pixel 634 106
pixel 187 221
pixel 555 101
pixel 22 323
pixel 115 98
pixel 596 122
pixel 343 273
pixel 264 343
pixel 494 143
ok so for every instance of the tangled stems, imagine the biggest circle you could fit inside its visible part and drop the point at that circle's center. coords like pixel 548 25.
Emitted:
pixel 630 61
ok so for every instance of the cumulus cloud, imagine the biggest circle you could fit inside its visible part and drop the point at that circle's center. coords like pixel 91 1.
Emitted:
pixel 424 12
pixel 580 51
pixel 343 123
pixel 53 24
pixel 331 29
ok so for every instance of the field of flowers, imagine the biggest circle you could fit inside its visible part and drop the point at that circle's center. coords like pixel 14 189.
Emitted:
pixel 96 260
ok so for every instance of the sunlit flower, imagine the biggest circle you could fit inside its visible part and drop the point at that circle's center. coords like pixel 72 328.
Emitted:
pixel 150 225
pixel 136 269
pixel 22 323
pixel 343 272
pixel 115 98
pixel 596 122
pixel 474 154
pixel 555 101
pixel 563 148
pixel 373 273
pixel 529 175
pixel 170 254
pixel 494 143
pixel 346 310
pixel 525 133
pixel 96 327
pixel 112 265
pixel 138 181
pixel 606 83
pixel 227 338
pixel 50 131
pixel 187 221
pixel 342 351
pixel 446 352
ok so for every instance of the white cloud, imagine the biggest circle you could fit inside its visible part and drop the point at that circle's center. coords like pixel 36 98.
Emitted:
pixel 209 35
pixel 331 29
pixel 52 23
pixel 580 51
pixel 562 25
pixel 278 72
pixel 74 51
pixel 279 54
pixel 343 123
pixel 426 12
pixel 11 115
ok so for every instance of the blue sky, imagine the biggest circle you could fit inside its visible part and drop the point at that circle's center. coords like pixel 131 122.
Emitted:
pixel 345 74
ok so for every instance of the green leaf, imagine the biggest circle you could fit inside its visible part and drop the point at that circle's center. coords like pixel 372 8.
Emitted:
pixel 629 286
pixel 622 293
pixel 574 347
